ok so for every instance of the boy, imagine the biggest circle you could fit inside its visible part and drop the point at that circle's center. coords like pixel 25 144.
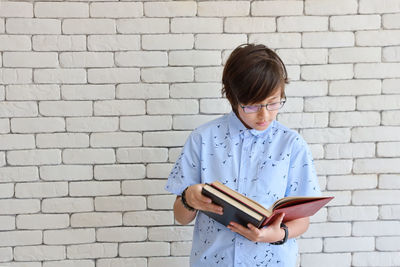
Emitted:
pixel 252 153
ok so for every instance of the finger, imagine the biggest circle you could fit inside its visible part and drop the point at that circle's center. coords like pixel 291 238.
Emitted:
pixel 253 228
pixel 281 216
pixel 214 208
pixel 240 229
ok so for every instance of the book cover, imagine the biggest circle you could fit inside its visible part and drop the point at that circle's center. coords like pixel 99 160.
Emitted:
pixel 243 210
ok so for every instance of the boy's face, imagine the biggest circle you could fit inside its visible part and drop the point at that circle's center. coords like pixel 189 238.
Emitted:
pixel 261 119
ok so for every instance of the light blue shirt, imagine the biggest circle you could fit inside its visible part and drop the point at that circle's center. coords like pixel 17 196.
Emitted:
pixel 263 165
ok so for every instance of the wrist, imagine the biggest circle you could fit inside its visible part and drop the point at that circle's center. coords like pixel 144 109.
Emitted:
pixel 283 229
pixel 184 201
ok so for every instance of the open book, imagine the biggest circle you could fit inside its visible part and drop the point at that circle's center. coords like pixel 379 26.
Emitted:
pixel 244 210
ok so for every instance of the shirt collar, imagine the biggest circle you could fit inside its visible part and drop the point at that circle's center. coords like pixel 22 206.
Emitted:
pixel 237 128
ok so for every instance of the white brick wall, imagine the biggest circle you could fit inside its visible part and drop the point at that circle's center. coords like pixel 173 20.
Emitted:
pixel 97 98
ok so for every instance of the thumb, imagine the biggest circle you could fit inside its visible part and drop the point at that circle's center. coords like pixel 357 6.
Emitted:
pixel 280 218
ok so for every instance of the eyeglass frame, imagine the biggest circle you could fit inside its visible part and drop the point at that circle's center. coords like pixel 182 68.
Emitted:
pixel 260 106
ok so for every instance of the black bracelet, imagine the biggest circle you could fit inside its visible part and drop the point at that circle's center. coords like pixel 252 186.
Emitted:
pixel 183 199
pixel 285 238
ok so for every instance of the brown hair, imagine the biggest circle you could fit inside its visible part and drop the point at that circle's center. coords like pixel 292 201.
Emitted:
pixel 252 73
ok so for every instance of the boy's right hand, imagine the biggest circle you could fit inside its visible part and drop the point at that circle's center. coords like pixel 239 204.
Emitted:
pixel 197 200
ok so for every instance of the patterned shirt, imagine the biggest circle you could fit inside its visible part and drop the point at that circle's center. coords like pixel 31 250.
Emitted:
pixel 262 165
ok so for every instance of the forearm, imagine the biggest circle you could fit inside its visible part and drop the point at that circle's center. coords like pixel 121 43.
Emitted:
pixel 297 227
pixel 183 215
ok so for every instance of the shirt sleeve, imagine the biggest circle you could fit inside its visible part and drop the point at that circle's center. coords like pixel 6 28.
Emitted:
pixel 302 177
pixel 186 170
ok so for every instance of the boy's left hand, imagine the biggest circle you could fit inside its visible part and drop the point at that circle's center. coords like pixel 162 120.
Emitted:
pixel 269 234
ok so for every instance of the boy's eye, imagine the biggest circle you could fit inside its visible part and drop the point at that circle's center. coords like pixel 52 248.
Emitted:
pixel 251 108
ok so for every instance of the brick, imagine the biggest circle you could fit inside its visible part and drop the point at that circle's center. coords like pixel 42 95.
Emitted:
pixel 162 202
pixel 345 103
pixel 33 26
pixel 6 190
pixel 6 254
pixel 39 253
pixel 170 9
pixel 355 87
pixel 113 75
pixel 376 258
pixel 4 126
pixel 143 187
pixel 173 154
pixel 62 140
pixel 145 123
pixel 120 203
pixel 15 43
pixel 391 21
pixel 142 91
pixel 174 233
pixel 122 262
pixel 16 238
pixel 223 9
pixel 214 106
pixel 141 59
pixel 355 22
pixel 41 190
pixel 195 90
pixel 219 41
pixel 143 25
pixel 382 102
pixel 389 212
pixel 68 236
pixel 378 38
pixel 329 259
pixel 307 245
pixel 89 156
pixel 92 124
pixel 377 70
pixel 359 54
pixel 69 76
pixel 317 151
pixel 158 170
pixel 122 234
pixel 249 25
pixel 16 141
pixel 389 86
pixel 328 39
pixel 116 10
pixel 388 165
pixel 7 223
pixel 180 248
pixel 88 26
pixel 2 26
pixel 342 198
pixel 19 174
pixel 332 135
pixel 376 6
pixel 208 74
pixel 96 219
pixel 389 181
pixel 69 263
pixel 94 188
pixel 390 54
pixel 348 119
pixel 277 40
pixel 115 139
pixel 276 8
pixel 196 25
pixel 168 262
pixel 16 9
pixel 194 58
pixel 333 167
pixel 119 107
pixel 66 173
pixel 34 157
pixel 15 76
pixel 119 172
pixel 61 10
pixel 59 43
pixel 349 244
pixel 86 59
pixel 19 206
pixel 190 122
pixel 330 7
pixel 304 120
pixel 172 106
pixel 65 108
pixel 113 42
pixel 375 197
pixel 174 138
pixel 327 72
pixel 18 109
pixel 352 213
pixel 170 74
pixel 24 264
pixel 42 221
pixel 388 149
pixel 352 182
pixel 302 24
pixel 167 41
pixel 387 243
pixel 328 230
pixel 144 249
pixel 67 205
pixel 37 125
pixel 88 92
pixel 303 56
pixel 33 92
pixel 147 218
pixel 306 88
pixel 376 228
pixel 92 251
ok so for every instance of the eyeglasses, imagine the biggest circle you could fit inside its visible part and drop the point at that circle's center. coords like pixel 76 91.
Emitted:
pixel 269 106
